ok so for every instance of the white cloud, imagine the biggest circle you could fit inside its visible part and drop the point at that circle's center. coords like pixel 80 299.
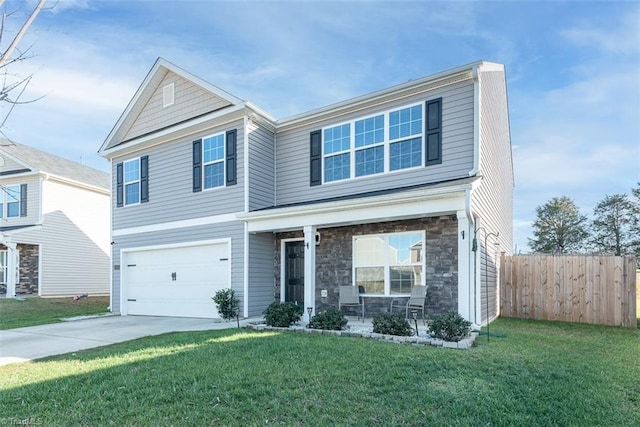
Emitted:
pixel 619 37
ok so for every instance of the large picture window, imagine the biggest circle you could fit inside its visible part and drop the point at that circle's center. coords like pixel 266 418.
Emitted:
pixel 389 264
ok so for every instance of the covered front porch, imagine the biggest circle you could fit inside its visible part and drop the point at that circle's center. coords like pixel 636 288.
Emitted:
pixel 385 244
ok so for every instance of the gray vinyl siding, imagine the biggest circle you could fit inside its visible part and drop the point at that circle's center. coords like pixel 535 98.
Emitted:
pixel 493 199
pixel 292 151
pixel 261 277
pixel 261 167
pixel 190 100
pixel 171 196
pixel 229 230
pixel 34 191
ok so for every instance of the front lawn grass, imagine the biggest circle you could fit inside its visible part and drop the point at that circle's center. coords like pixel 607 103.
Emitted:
pixel 32 311
pixel 542 373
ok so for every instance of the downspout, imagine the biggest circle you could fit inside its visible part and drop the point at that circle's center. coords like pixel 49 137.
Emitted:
pixel 46 177
pixel 245 261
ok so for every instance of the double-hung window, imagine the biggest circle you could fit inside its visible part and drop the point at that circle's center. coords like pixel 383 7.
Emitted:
pixel 132 182
pixel 405 138
pixel 12 200
pixel 389 264
pixel 369 145
pixel 337 151
pixel 214 159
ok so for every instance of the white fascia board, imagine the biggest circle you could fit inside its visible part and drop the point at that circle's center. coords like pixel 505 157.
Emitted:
pixel 350 104
pixel 410 204
pixel 183 129
pixel 48 176
pixel 22 230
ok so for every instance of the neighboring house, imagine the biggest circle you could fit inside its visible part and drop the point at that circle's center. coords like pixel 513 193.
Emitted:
pixel 54 224
pixel 382 191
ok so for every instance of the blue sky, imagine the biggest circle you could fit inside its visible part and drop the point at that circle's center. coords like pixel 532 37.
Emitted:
pixel 573 72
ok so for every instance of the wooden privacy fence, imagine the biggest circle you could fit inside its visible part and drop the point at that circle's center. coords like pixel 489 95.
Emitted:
pixel 582 288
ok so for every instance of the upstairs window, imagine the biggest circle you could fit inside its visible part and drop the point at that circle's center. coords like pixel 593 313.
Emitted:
pixel 394 140
pixel 132 181
pixel 213 155
pixel 337 151
pixel 215 162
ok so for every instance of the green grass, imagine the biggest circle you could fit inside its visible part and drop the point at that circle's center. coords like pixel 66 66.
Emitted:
pixel 34 311
pixel 541 374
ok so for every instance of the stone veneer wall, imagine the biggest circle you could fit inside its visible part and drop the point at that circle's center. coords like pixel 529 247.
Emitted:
pixel 27 271
pixel 334 262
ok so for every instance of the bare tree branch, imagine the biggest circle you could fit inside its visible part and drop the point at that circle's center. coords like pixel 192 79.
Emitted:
pixel 14 44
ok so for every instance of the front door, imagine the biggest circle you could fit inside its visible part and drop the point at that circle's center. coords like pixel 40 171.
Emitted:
pixel 294 272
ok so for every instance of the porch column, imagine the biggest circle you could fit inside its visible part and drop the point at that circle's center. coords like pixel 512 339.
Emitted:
pixel 12 265
pixel 466 291
pixel 309 270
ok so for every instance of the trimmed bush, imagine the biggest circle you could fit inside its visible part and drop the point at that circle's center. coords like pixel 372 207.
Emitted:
pixel 449 326
pixel 282 314
pixel 226 303
pixel 331 319
pixel 391 324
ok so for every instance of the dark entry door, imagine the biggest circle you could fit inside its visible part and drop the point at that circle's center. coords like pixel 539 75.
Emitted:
pixel 294 272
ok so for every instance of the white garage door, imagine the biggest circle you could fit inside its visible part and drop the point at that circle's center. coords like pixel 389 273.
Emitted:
pixel 175 281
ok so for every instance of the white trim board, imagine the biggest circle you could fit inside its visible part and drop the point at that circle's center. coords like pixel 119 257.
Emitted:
pixel 163 226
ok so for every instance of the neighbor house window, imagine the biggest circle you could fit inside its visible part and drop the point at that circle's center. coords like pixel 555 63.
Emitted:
pixel 12 200
pixel 132 182
pixel 213 155
pixel 386 142
pixel 388 264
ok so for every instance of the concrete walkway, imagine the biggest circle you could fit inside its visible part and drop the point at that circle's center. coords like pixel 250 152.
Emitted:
pixel 35 342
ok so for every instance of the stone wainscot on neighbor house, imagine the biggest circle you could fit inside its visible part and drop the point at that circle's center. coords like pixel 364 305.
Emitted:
pixel 385 191
pixel 54 225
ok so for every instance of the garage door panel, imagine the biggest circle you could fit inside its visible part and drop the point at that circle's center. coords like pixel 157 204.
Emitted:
pixel 176 281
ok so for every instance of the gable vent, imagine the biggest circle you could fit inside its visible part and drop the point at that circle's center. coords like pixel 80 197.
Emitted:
pixel 168 95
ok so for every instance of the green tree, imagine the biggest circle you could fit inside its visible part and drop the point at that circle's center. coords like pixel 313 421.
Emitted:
pixel 635 223
pixel 612 226
pixel 559 227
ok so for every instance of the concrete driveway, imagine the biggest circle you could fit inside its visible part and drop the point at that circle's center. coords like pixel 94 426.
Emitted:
pixel 35 342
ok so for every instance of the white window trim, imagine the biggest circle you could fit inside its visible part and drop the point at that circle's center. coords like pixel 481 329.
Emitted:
pixel 125 182
pixel 4 198
pixel 223 161
pixel 386 143
pixel 387 265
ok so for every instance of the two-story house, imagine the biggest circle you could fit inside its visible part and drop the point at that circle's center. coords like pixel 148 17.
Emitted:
pixel 407 186
pixel 54 224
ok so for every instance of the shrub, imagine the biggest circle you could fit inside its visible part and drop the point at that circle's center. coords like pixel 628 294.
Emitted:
pixel 282 314
pixel 449 326
pixel 391 324
pixel 226 303
pixel 329 319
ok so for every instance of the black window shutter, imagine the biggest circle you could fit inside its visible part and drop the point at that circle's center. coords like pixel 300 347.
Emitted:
pixel 23 199
pixel 144 179
pixel 315 140
pixel 433 149
pixel 232 160
pixel 197 165
pixel 119 182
